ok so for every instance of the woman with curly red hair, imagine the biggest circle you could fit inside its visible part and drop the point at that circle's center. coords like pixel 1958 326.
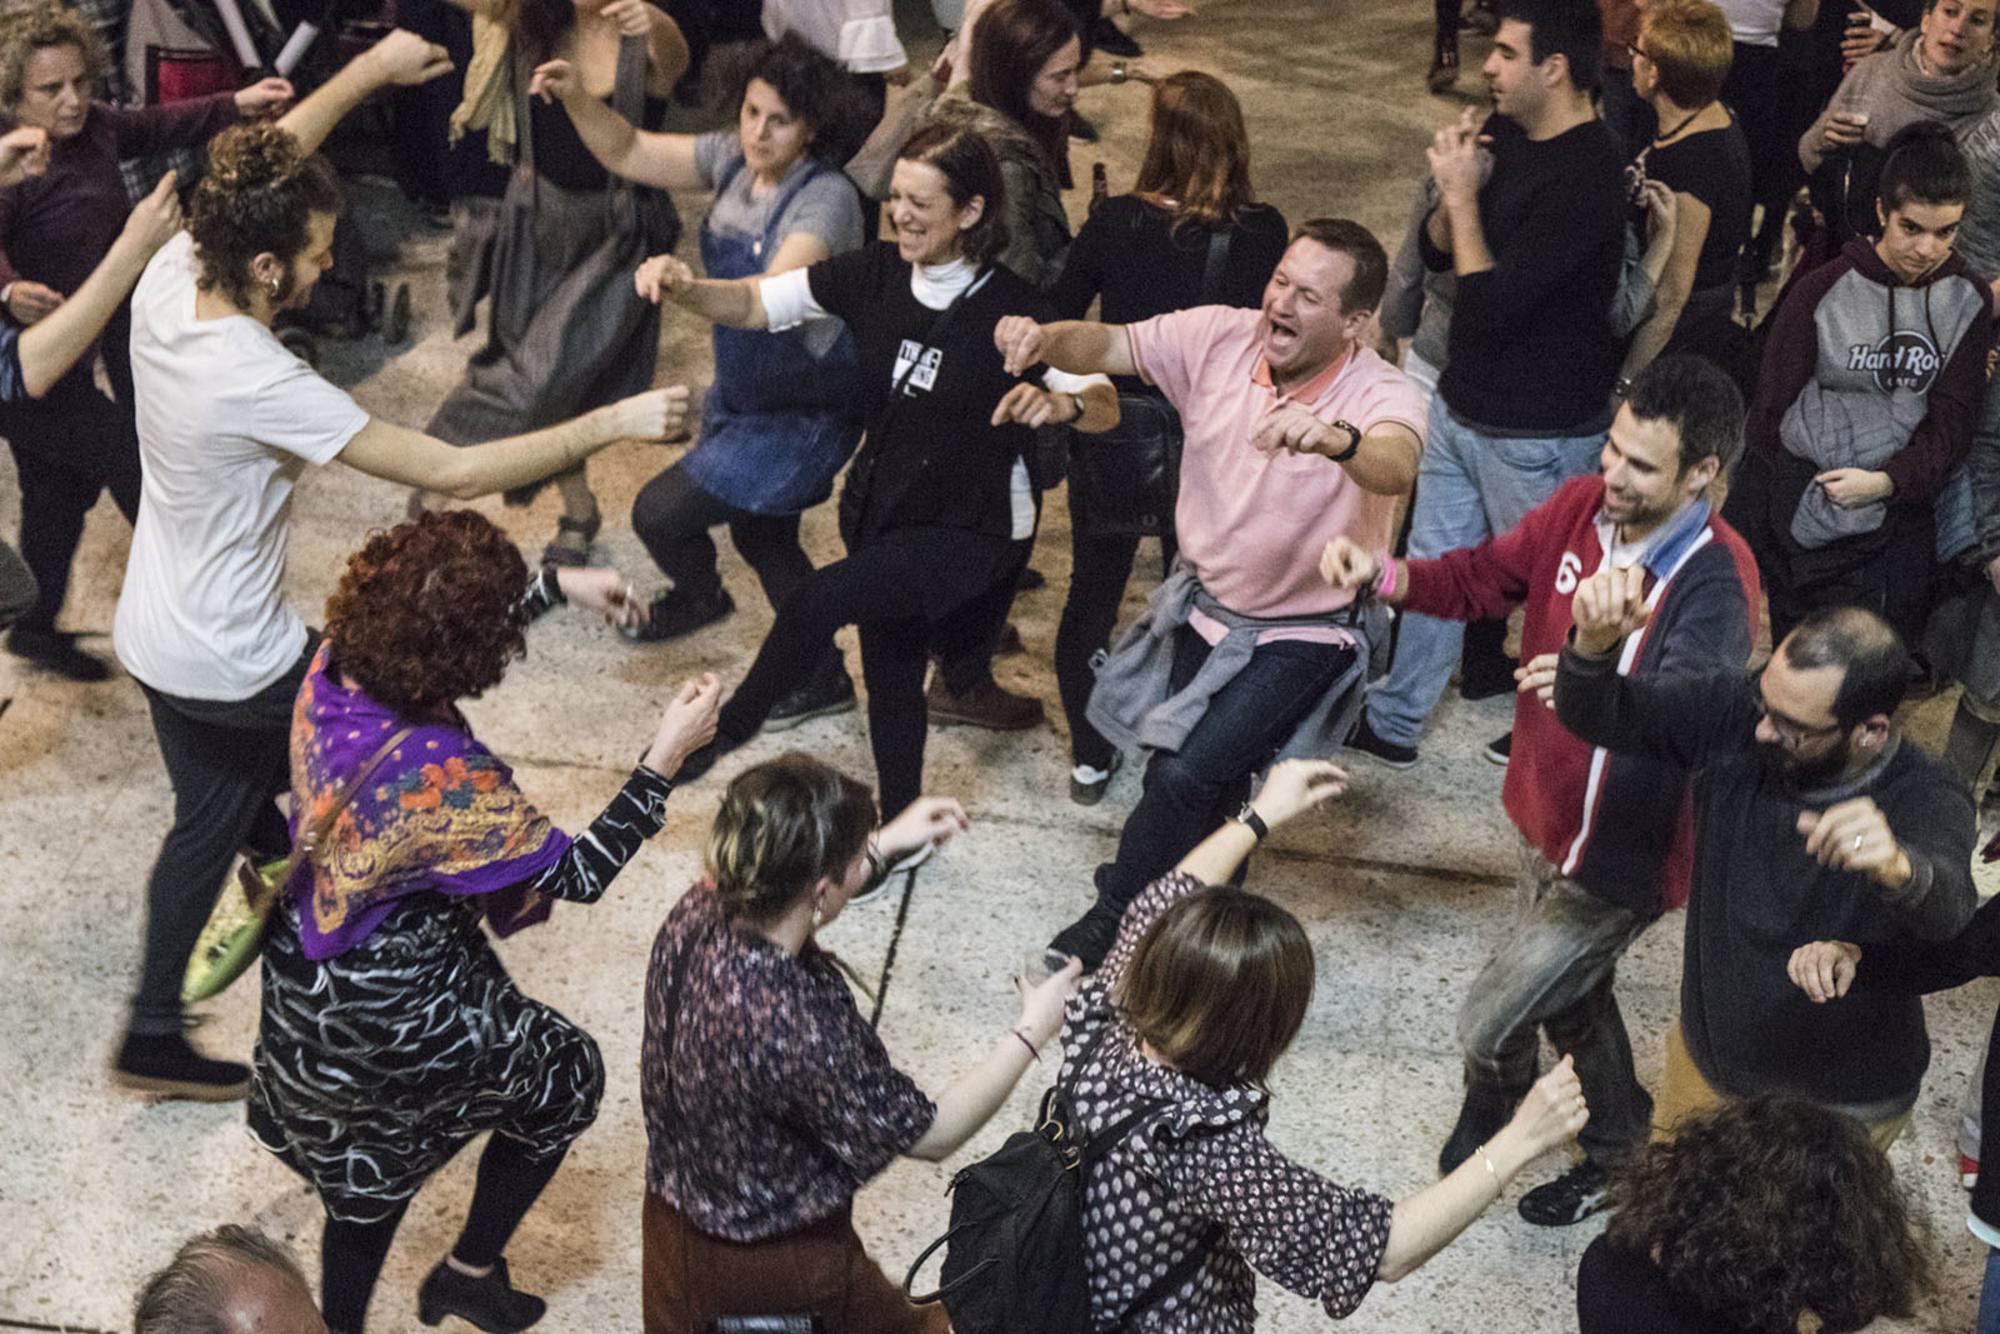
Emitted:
pixel 391 1034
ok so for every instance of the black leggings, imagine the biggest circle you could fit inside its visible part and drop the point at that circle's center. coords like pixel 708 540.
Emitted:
pixel 900 589
pixel 351 1254
pixel 672 516
pixel 68 448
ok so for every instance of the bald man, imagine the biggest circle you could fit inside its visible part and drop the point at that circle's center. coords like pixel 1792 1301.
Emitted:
pixel 1815 819
pixel 234 1279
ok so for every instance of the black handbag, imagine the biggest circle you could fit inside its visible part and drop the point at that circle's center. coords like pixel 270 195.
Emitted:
pixel 1125 482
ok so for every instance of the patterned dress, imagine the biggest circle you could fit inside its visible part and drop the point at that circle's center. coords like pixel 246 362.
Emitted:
pixel 391 1034
pixel 1201 1161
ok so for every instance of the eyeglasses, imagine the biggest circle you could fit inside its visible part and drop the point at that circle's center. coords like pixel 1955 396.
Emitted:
pixel 1792 734
pixel 1633 49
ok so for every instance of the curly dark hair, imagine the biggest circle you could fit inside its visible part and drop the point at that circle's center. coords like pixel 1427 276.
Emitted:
pixel 813 88
pixel 257 197
pixel 426 612
pixel 1769 1207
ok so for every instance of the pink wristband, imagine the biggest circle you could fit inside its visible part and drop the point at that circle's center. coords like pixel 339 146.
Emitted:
pixel 1385 586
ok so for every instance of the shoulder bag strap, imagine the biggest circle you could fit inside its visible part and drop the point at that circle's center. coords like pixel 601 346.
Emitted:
pixel 931 335
pixel 307 843
pixel 1211 270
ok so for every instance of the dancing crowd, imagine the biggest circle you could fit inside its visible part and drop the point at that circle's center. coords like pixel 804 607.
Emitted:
pixel 1689 334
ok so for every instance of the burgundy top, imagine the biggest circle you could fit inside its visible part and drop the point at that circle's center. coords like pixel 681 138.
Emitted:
pixel 783 1101
pixel 1202 1159
pixel 56 227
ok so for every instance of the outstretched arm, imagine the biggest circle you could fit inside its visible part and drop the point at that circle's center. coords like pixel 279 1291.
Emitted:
pixel 398 454
pixel 736 302
pixel 51 345
pixel 662 160
pixel 1081 347
pixel 400 58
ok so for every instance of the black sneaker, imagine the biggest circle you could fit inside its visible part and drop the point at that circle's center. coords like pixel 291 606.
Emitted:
pixel 830 691
pixel 1087 783
pixel 1484 1113
pixel 1572 1197
pixel 55 651
pixel 1089 938
pixel 674 614
pixel 1387 753
pixel 1500 749
pixel 165 1064
pixel 489 1302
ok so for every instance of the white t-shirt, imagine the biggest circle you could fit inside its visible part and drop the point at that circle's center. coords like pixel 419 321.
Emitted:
pixel 228 419
pixel 1754 22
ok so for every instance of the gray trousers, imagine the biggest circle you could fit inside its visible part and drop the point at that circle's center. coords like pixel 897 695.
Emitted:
pixel 1554 970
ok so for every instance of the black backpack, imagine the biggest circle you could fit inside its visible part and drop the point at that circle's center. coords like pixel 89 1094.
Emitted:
pixel 1013 1260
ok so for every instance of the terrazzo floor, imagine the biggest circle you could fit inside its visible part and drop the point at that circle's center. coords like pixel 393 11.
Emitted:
pixel 1402 885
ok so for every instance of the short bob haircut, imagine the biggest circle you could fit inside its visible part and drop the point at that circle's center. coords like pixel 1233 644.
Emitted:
pixel 1197 163
pixel 971 170
pixel 1768 1207
pixel 258 197
pixel 24 32
pixel 1219 985
pixel 1689 43
pixel 1011 43
pixel 783 826
pixel 816 90
pixel 426 613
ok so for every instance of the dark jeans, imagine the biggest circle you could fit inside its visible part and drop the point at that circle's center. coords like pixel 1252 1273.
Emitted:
pixel 1554 971
pixel 1752 91
pixel 964 641
pixel 228 761
pixel 68 448
pixel 1191 791
pixel 17 586
pixel 672 516
pixel 896 589
pixel 1099 570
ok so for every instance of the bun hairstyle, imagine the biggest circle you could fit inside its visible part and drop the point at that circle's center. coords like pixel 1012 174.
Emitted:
pixel 257 197
pixel 1923 164
pixel 783 826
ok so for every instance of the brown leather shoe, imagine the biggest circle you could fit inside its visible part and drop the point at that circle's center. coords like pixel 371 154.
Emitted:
pixel 985 705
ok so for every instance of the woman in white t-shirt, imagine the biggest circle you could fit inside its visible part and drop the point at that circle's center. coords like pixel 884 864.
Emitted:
pixel 228 420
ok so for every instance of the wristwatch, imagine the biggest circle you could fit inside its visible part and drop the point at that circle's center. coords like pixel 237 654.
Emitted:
pixel 1353 441
pixel 1248 816
pixel 1118 72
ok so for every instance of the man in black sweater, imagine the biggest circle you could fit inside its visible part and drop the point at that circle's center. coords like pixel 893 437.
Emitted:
pixel 1814 820
pixel 1532 220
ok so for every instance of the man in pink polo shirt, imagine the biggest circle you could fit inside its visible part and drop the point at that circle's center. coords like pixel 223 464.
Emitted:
pixel 1294 434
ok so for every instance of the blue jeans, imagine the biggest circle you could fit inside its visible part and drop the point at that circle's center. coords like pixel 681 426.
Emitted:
pixel 1989 1297
pixel 1470 487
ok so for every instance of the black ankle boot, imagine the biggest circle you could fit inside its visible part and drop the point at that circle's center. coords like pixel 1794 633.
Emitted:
pixel 490 1302
pixel 1485 1111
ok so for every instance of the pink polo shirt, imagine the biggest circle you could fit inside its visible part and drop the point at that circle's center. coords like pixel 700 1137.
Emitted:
pixel 1253 524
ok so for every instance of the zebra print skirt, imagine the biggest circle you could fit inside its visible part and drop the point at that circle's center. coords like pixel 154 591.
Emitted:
pixel 374 1067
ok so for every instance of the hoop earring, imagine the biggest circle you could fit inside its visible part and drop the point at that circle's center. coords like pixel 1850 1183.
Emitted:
pixel 275 285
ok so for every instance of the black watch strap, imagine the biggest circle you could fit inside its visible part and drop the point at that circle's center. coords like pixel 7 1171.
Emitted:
pixel 1353 441
pixel 1248 816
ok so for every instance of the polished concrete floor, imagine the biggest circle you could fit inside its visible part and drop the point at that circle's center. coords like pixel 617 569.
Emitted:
pixel 1402 885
